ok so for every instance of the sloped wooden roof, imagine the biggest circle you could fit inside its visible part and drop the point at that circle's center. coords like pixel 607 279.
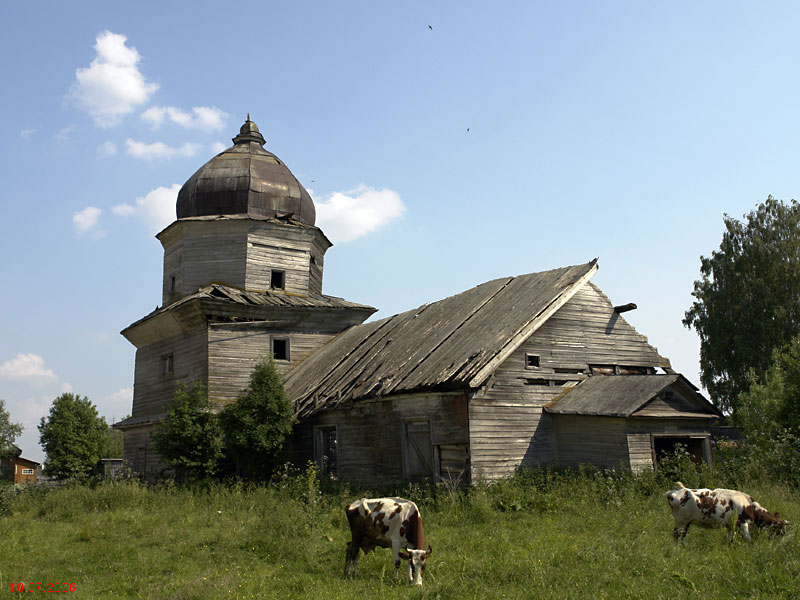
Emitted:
pixel 629 395
pixel 231 295
pixel 455 342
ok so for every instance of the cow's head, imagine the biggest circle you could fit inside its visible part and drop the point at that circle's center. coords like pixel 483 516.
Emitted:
pixel 771 522
pixel 417 560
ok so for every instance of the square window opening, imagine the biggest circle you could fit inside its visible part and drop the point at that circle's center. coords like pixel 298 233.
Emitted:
pixel 531 361
pixel 277 280
pixel 280 349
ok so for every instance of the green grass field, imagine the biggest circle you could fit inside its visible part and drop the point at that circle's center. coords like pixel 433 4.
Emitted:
pixel 546 535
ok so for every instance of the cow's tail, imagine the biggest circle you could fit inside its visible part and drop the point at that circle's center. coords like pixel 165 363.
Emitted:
pixel 680 485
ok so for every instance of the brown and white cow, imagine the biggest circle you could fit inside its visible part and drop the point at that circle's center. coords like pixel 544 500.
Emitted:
pixel 391 523
pixel 719 508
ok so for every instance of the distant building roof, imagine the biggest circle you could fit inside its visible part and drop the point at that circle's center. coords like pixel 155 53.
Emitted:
pixel 452 343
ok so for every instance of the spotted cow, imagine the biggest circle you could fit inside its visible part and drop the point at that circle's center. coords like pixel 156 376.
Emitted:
pixel 719 508
pixel 391 523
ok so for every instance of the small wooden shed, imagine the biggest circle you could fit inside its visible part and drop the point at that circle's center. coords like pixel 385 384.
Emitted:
pixel 611 420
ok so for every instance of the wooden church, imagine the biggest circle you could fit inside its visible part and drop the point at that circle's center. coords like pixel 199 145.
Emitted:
pixel 538 369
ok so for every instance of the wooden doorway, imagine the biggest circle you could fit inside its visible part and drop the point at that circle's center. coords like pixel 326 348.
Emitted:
pixel 418 450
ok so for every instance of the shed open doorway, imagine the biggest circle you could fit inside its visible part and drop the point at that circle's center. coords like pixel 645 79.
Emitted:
pixel 698 447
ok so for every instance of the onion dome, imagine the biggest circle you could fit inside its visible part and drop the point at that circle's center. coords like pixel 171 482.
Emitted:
pixel 246 179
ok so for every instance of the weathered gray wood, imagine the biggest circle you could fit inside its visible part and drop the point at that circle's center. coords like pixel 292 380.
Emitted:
pixel 370 435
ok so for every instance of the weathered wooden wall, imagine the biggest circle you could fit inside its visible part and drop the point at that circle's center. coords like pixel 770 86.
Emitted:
pixel 507 425
pixel 640 431
pixel 599 441
pixel 152 390
pixel 235 348
pixel 241 253
pixel 370 436
pixel 140 454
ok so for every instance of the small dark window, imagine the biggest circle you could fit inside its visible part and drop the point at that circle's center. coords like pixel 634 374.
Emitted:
pixel 172 284
pixel 280 349
pixel 277 280
pixel 531 361
pixel 537 382
pixel 313 260
pixel 167 365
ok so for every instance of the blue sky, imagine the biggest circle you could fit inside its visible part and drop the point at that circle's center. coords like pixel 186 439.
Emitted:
pixel 446 143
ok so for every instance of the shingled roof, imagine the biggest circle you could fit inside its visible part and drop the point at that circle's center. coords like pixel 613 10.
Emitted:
pixel 453 343
pixel 626 395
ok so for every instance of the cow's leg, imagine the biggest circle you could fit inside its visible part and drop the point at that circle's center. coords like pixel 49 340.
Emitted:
pixel 744 528
pixel 396 555
pixel 680 531
pixel 351 558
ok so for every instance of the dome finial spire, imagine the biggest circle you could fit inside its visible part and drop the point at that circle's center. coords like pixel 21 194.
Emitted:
pixel 249 133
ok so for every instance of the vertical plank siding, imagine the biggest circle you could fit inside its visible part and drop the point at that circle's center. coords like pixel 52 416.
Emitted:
pixel 370 436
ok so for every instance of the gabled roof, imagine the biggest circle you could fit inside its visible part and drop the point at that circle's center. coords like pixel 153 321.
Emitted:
pixel 630 395
pixel 450 344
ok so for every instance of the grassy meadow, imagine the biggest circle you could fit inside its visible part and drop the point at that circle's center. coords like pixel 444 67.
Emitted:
pixel 538 535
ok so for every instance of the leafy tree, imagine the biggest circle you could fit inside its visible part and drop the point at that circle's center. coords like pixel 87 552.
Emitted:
pixel 258 424
pixel 8 431
pixel 772 402
pixel 768 414
pixel 72 436
pixel 113 444
pixel 747 302
pixel 190 439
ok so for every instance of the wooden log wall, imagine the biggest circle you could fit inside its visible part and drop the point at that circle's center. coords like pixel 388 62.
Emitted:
pixel 370 436
pixel 507 425
pixel 241 253
pixel 266 251
pixel 153 390
pixel 599 441
pixel 235 348
pixel 140 453
pixel 217 255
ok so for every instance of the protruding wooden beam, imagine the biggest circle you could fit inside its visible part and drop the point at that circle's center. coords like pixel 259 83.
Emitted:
pixel 625 307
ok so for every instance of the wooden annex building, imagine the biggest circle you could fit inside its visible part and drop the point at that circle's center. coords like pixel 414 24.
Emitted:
pixel 18 469
pixel 537 369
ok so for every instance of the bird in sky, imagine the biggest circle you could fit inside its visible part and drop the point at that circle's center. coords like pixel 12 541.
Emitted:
pixel 429 27
pixel 467 129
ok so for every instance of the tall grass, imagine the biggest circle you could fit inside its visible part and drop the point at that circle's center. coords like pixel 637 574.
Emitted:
pixel 540 534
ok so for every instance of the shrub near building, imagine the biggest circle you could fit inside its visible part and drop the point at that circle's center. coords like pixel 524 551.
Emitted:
pixel 258 424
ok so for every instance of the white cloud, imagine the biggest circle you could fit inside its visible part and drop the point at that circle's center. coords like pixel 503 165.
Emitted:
pixel 207 118
pixel 118 403
pixel 108 148
pixel 26 133
pixel 346 216
pixel 218 147
pixel 64 133
pixel 158 150
pixel 66 387
pixel 26 367
pixel 156 209
pixel 112 85
pixel 85 219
